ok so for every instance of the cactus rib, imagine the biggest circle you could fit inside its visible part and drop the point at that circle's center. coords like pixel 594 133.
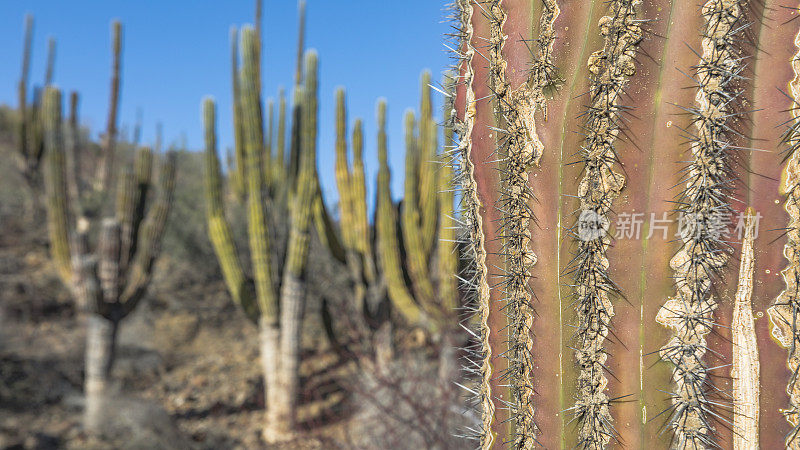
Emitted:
pixel 610 69
pixel 784 313
pixel 519 149
pixel 704 203
pixel 475 279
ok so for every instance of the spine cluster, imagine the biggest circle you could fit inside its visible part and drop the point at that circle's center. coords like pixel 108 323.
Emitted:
pixel 610 69
pixel 703 205
pixel 543 72
pixel 786 310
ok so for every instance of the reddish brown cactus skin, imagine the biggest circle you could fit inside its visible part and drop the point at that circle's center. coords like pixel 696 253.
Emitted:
pixel 650 150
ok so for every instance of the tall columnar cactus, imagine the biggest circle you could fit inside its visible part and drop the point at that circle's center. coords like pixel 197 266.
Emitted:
pixel 106 164
pixel 237 174
pixel 275 304
pixel 429 300
pixel 595 93
pixel 30 141
pixel 109 283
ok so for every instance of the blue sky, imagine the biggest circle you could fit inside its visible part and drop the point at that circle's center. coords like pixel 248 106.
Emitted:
pixel 177 51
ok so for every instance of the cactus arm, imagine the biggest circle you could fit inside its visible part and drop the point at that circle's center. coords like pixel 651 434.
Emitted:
pixel 238 121
pixel 427 170
pixel 280 144
pixel 56 186
pixel 219 230
pixel 416 256
pixel 268 162
pixel 326 229
pixel 74 146
pixel 125 207
pixel 51 61
pixel 254 141
pixel 106 163
pixel 149 238
pixel 35 136
pixel 343 176
pixel 22 91
pixel 358 200
pixel 301 37
pixel 388 246
pixel 294 143
pixel 297 252
pixel 131 202
pixel 346 183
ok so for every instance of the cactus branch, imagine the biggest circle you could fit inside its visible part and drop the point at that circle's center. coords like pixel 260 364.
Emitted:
pixel 106 163
pixel 241 288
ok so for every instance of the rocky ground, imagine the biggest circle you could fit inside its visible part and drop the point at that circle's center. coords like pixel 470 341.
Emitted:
pixel 188 374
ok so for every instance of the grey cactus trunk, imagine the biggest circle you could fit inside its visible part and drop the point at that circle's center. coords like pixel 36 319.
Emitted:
pixel 281 414
pixel 101 338
pixel 269 343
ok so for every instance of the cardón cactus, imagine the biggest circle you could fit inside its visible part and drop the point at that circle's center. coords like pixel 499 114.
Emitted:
pixel 109 283
pixel 276 306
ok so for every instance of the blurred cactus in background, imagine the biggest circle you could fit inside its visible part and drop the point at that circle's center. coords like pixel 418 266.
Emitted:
pixel 30 140
pixel 415 240
pixel 109 282
pixel 275 297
